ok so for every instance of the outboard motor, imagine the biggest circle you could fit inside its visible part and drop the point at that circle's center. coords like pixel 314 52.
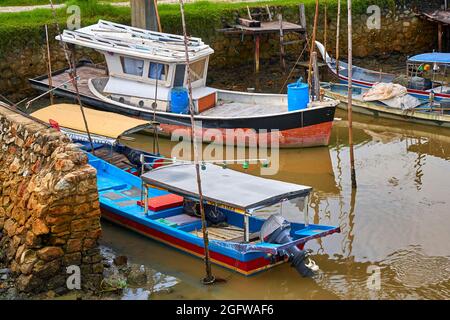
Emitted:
pixel 277 230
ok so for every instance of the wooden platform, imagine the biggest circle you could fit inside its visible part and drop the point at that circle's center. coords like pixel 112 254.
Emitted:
pixel 230 233
pixel 266 27
pixel 112 157
pixel 236 109
pixel 84 73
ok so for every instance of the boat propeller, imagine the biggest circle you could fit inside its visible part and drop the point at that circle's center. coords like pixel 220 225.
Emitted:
pixel 277 230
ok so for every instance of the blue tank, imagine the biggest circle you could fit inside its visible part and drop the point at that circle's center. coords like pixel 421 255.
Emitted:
pixel 179 100
pixel 298 96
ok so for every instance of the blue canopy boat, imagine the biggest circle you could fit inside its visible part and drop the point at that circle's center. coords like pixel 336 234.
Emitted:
pixel 423 73
pixel 239 238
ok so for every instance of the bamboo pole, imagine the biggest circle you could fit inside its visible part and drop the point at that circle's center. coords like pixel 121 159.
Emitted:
pixel 325 27
pixel 49 65
pixel 155 3
pixel 350 93
pixel 209 279
pixel 72 75
pixel 338 30
pixel 282 52
pixel 313 45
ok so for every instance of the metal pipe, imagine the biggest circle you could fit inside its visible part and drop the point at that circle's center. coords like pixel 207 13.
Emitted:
pixel 350 94
pixel 306 211
pixel 246 228
pixel 145 199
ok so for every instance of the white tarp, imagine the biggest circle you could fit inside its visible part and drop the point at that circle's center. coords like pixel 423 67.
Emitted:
pixel 393 95
pixel 384 91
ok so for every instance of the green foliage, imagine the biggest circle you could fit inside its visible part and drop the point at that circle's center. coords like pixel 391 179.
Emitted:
pixel 202 18
pixel 6 3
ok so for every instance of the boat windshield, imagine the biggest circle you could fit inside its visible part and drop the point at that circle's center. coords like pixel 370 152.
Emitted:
pixel 293 210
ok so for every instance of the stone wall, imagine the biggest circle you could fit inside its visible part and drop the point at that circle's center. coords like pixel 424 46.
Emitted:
pixel 49 209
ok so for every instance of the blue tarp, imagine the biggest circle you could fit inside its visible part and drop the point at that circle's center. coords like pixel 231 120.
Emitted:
pixel 435 57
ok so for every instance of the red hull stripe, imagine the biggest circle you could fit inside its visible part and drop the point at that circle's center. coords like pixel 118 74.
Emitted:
pixel 310 136
pixel 246 268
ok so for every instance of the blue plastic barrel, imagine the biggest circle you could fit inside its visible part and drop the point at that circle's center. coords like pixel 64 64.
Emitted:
pixel 298 96
pixel 179 100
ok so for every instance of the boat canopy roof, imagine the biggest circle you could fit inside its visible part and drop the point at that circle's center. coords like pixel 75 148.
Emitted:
pixel 100 123
pixel 434 57
pixel 224 187
pixel 117 38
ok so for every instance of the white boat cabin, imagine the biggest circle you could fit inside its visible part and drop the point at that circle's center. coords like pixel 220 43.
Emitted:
pixel 143 63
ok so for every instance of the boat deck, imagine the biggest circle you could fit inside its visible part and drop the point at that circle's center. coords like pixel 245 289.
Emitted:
pixel 238 109
pixel 230 233
pixel 84 73
pixel 112 157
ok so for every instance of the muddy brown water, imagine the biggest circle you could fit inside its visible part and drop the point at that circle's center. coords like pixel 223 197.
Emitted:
pixel 397 221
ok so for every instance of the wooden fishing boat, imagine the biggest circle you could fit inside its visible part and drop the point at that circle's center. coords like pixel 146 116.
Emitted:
pixel 143 70
pixel 105 129
pixel 421 82
pixel 426 113
pixel 239 238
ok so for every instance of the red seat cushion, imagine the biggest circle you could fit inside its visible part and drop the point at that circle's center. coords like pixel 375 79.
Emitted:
pixel 166 201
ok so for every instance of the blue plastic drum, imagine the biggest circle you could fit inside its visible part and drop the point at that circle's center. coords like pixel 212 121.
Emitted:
pixel 179 100
pixel 298 96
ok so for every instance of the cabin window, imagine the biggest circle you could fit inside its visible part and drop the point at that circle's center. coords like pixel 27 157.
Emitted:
pixel 197 70
pixel 132 66
pixel 180 70
pixel 158 71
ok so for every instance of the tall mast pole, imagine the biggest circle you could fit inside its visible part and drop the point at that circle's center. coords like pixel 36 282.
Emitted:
pixel 338 30
pixel 72 75
pixel 209 279
pixel 350 93
pixel 313 45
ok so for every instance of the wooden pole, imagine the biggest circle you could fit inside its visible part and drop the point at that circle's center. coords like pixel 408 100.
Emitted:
pixel 301 11
pixel 72 75
pixel 313 45
pixel 440 37
pixel 282 53
pixel 144 15
pixel 155 4
pixel 350 94
pixel 257 40
pixel 209 279
pixel 49 65
pixel 338 30
pixel 316 81
pixel 325 27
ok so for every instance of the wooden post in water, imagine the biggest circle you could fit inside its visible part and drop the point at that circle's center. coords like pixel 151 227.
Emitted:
pixel 316 80
pixel 282 53
pixel 325 27
pixel 350 93
pixel 209 279
pixel 49 65
pixel 144 15
pixel 313 45
pixel 338 30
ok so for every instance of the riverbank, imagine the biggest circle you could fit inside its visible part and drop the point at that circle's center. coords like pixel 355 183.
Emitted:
pixel 22 45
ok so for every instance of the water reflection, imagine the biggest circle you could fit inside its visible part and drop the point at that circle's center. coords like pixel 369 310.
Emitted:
pixel 397 219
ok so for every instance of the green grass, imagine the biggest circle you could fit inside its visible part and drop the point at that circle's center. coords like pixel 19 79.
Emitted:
pixel 7 3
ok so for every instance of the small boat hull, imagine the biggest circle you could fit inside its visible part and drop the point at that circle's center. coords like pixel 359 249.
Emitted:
pixel 245 267
pixel 379 110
